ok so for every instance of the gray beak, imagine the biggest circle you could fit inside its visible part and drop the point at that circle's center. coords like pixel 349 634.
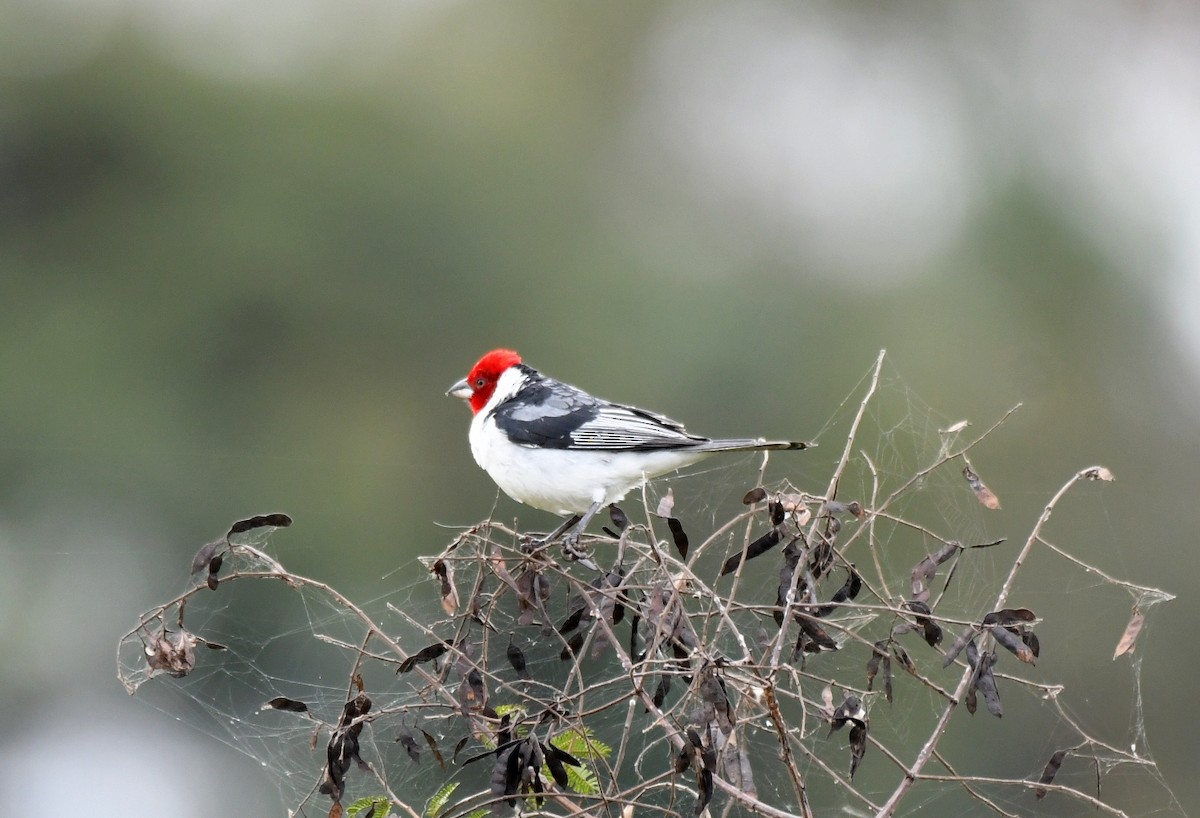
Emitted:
pixel 460 390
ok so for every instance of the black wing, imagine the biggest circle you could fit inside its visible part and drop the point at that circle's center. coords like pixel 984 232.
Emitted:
pixel 555 415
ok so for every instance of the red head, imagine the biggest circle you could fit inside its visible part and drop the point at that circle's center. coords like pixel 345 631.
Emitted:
pixel 478 386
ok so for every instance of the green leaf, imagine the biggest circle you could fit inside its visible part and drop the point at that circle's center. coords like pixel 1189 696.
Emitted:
pixel 435 805
pixel 382 806
pixel 583 780
pixel 515 710
pixel 581 743
pixel 518 714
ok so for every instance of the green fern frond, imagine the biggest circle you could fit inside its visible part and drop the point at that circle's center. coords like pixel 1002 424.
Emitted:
pixel 583 780
pixel 382 806
pixel 515 710
pixel 437 803
pixel 581 743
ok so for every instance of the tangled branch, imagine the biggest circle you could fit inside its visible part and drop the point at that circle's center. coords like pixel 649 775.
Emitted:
pixel 673 678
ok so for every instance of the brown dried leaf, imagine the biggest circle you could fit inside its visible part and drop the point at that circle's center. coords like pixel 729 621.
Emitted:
pixel 259 521
pixel 1010 616
pixel 930 630
pixel 176 656
pixel 573 646
pixel 205 554
pixel 847 592
pixel 947 551
pixel 960 642
pixel 1012 643
pixel 472 691
pixel 662 689
pixel 444 571
pixel 813 638
pixel 904 659
pixel 284 703
pixel 620 520
pixel 851 709
pixel 763 544
pixel 679 536
pixel 505 775
pixel 973 661
pixel 985 683
pixel 755 495
pixel 735 767
pixel 1051 770
pixel 878 653
pixel 1030 638
pixel 425 654
pixel 922 573
pixel 666 504
pixel 704 783
pixel 532 590
pixel 555 764
pixel 925 570
pixel 579 609
pixel 462 742
pixel 683 759
pixel 858 745
pixel 1128 639
pixel 433 747
pixel 887 678
pixel 955 428
pixel 880 657
pixel 409 742
pixel 516 658
pixel 714 694
pixel 982 493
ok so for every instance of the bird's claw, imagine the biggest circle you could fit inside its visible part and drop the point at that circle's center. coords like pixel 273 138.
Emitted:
pixel 570 546
pixel 573 552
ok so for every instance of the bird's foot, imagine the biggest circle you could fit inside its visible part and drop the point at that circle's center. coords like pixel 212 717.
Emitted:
pixel 576 553
pixel 570 542
pixel 569 526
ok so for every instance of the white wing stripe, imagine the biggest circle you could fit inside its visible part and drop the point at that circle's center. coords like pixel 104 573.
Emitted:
pixel 618 427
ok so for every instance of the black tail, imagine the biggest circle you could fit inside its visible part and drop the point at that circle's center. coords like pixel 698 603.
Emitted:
pixel 752 445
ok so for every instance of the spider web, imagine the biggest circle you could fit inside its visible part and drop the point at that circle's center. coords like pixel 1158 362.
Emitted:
pixel 779 664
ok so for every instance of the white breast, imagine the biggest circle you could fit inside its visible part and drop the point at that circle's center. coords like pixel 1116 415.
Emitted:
pixel 566 481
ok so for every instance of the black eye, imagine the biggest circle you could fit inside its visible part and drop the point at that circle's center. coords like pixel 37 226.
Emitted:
pixel 480 383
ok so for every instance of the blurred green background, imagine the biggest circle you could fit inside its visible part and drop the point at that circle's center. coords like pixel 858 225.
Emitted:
pixel 245 247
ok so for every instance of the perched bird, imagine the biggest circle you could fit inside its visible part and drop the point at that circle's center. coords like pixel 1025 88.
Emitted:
pixel 552 446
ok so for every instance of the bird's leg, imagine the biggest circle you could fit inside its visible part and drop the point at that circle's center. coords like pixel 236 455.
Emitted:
pixel 572 537
pixel 570 530
pixel 567 525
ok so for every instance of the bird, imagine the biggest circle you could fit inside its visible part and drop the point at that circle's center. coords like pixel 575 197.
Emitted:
pixel 555 447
